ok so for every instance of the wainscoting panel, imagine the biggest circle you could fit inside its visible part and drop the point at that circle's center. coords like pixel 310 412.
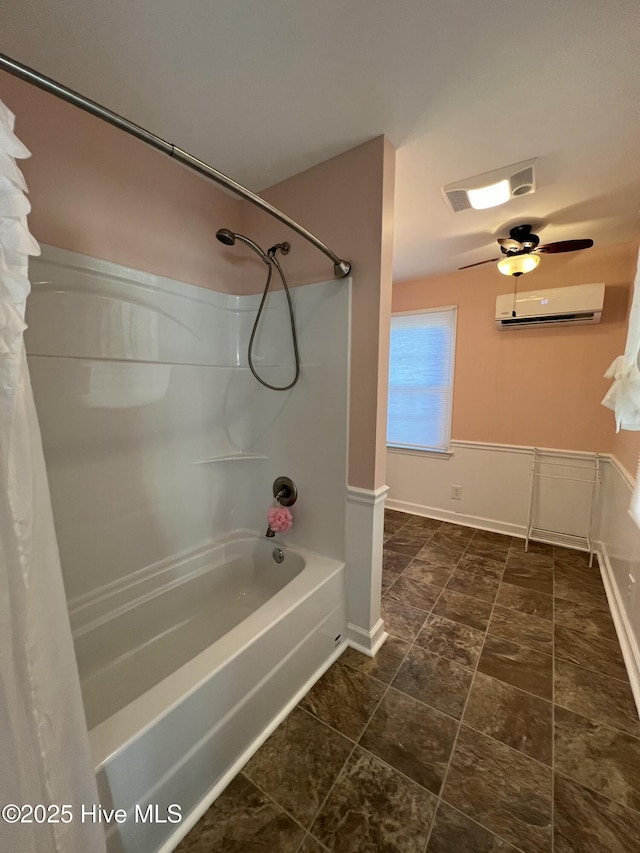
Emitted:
pixel 495 482
pixel 365 527
pixel 619 557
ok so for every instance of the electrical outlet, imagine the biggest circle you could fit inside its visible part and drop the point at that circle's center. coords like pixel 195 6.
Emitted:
pixel 456 493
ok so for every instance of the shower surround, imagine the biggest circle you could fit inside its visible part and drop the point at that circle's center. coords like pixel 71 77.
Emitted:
pixel 161 450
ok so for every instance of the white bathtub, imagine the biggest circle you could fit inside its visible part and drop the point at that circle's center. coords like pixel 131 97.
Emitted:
pixel 186 671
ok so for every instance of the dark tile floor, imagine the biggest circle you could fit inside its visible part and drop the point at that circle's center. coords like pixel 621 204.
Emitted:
pixel 497 717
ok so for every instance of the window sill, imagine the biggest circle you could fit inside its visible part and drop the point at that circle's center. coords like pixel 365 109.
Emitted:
pixel 412 451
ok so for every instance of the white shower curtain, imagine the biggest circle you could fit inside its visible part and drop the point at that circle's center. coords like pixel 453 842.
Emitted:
pixel 44 751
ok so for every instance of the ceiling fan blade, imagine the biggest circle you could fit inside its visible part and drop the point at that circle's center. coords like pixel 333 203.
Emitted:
pixel 565 246
pixel 479 263
pixel 508 244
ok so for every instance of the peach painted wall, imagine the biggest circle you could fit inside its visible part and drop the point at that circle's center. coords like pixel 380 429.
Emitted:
pixel 348 203
pixel 542 386
pixel 97 191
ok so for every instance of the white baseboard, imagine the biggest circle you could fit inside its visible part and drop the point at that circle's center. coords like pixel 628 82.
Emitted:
pixel 196 813
pixel 367 642
pixel 492 524
pixel 626 636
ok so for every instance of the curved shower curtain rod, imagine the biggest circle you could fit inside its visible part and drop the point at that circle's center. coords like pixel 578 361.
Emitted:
pixel 341 268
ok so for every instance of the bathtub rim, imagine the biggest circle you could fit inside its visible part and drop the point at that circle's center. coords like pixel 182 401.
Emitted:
pixel 113 735
pixel 90 610
pixel 185 826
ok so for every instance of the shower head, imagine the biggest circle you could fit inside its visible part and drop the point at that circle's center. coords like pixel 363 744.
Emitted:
pixel 229 239
pixel 225 236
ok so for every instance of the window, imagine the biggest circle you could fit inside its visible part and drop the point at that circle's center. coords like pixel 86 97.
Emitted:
pixel 421 379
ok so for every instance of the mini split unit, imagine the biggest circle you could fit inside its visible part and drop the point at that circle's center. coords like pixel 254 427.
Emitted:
pixel 579 304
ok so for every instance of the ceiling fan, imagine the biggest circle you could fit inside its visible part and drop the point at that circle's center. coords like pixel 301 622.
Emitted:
pixel 521 251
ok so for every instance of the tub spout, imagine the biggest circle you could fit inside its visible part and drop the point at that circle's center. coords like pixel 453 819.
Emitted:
pixel 270 533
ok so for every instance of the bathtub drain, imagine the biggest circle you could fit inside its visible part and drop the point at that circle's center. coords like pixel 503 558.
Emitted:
pixel 278 555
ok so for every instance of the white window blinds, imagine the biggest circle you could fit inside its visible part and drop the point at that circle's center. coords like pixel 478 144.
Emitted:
pixel 421 379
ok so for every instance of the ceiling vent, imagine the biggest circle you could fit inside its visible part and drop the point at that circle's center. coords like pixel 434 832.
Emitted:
pixel 492 188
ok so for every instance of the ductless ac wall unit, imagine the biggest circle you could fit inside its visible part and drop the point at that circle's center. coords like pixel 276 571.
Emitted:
pixel 581 303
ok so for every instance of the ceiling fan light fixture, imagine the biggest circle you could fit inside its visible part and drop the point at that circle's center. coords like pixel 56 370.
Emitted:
pixel 521 248
pixel 518 264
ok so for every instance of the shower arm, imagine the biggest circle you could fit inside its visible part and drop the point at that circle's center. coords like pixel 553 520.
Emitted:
pixel 341 268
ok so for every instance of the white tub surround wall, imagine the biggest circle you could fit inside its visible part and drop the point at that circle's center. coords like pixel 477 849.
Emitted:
pixel 303 432
pixel 619 558
pixel 365 531
pixel 136 382
pixel 495 480
pixel 158 439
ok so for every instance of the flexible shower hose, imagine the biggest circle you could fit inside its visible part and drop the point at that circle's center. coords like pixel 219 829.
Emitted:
pixel 273 261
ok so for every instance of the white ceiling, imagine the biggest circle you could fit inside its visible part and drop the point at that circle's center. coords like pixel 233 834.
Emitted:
pixel 262 90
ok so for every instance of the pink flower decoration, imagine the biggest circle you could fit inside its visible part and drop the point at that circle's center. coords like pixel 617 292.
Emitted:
pixel 280 519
